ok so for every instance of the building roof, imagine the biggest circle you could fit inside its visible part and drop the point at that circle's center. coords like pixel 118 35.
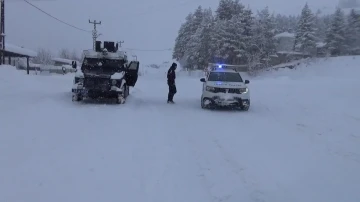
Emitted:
pixel 17 51
pixel 285 35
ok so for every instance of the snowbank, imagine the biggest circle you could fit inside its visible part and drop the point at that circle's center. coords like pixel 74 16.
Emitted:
pixel 334 67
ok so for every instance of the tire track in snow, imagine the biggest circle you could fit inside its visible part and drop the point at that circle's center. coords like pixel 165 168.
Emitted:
pixel 238 177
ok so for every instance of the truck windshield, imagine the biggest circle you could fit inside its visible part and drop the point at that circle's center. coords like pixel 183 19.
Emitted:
pixel 97 65
pixel 225 76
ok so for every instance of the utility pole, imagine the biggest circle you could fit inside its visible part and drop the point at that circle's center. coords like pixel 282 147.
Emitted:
pixel 95 35
pixel 2 32
pixel 120 42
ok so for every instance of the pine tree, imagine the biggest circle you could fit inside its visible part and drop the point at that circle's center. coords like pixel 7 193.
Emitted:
pixel 248 34
pixel 199 45
pixel 305 39
pixel 193 42
pixel 228 43
pixel 197 19
pixel 228 8
pixel 184 35
pixel 320 26
pixel 353 31
pixel 265 32
pixel 293 21
pixel 279 24
pixel 335 39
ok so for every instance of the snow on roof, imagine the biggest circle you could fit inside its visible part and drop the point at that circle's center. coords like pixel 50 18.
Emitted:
pixel 285 35
pixel 19 50
pixel 62 60
pixel 93 54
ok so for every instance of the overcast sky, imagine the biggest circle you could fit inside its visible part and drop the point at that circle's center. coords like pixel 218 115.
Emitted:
pixel 142 24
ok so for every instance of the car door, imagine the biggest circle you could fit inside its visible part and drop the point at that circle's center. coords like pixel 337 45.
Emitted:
pixel 132 71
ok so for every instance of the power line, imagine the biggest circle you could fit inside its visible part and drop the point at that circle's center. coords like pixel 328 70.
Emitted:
pixel 56 17
pixel 131 49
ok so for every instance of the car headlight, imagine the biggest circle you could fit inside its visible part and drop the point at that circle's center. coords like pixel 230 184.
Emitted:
pixel 209 88
pixel 113 82
pixel 244 90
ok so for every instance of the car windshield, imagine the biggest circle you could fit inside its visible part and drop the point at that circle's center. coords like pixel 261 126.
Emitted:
pixel 96 65
pixel 225 76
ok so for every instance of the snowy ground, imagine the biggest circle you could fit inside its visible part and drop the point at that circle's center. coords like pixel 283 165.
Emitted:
pixel 299 142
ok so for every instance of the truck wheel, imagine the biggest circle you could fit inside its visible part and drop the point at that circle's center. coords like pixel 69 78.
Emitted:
pixel 76 97
pixel 245 108
pixel 126 91
pixel 120 99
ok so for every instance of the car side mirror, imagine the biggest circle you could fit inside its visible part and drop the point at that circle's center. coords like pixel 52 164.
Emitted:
pixel 202 80
pixel 247 81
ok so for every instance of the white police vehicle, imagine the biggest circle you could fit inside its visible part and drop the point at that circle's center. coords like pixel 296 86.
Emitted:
pixel 224 86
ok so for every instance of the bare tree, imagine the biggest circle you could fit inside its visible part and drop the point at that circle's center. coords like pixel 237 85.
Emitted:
pixel 44 56
pixel 65 54
pixel 74 55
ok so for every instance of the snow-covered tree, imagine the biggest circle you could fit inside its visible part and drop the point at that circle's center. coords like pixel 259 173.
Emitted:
pixel 252 54
pixel 228 41
pixel 264 33
pixel 353 31
pixel 199 45
pixel 184 42
pixel 305 39
pixel 197 19
pixel 184 35
pixel 335 39
pixel 228 8
pixel 320 26
pixel 64 53
pixel 284 23
pixel 74 55
pixel 43 57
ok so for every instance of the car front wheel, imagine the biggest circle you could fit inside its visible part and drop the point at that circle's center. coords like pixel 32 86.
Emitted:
pixel 206 103
pixel 246 108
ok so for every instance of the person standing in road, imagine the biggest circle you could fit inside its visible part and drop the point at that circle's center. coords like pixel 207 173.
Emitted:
pixel 171 83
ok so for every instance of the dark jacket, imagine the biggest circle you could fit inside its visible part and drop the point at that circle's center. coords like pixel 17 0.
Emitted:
pixel 171 75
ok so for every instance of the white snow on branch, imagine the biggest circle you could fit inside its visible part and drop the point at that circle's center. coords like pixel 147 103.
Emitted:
pixel 285 35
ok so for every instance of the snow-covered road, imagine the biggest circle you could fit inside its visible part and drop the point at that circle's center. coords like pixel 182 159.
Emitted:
pixel 299 142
